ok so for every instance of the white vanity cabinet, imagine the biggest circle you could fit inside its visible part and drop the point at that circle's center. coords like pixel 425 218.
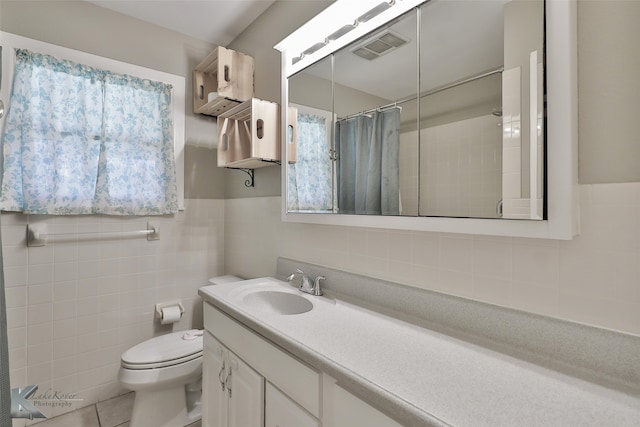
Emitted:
pixel 280 411
pixel 233 393
pixel 269 387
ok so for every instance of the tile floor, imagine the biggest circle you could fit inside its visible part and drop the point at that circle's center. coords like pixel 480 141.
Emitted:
pixel 114 412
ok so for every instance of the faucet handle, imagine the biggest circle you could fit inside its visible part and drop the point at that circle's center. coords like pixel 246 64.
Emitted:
pixel 305 284
pixel 317 290
pixel 293 275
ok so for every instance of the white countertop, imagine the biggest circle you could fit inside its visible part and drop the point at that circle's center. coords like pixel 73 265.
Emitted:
pixel 435 375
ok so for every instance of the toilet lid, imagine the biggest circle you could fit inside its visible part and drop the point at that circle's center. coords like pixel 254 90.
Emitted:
pixel 165 350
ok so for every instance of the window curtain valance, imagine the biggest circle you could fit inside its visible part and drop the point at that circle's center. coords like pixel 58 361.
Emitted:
pixel 80 140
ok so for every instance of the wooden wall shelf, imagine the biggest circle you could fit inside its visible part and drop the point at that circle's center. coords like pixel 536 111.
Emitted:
pixel 221 81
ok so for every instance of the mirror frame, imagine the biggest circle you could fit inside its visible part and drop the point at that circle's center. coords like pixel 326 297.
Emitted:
pixel 562 122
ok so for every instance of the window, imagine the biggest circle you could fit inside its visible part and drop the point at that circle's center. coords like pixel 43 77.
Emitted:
pixel 311 177
pixel 94 141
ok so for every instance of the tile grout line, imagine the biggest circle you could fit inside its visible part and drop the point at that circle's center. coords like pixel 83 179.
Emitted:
pixel 95 408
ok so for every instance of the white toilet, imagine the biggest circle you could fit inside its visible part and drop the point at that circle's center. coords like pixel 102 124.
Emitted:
pixel 166 374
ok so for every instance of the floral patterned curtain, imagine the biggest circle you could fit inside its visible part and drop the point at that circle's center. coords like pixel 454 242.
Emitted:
pixel 79 140
pixel 310 179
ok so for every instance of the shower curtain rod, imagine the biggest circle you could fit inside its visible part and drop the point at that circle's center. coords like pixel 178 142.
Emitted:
pixel 454 84
pixel 365 112
pixel 429 92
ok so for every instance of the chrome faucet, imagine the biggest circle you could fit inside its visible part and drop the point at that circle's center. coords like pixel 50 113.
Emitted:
pixel 305 282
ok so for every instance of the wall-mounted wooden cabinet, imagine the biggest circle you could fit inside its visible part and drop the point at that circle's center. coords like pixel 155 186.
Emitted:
pixel 249 135
pixel 223 80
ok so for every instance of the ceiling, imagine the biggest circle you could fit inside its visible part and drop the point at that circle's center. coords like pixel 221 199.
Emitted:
pixel 214 21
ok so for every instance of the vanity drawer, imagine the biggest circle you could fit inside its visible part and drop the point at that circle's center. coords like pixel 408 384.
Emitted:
pixel 295 378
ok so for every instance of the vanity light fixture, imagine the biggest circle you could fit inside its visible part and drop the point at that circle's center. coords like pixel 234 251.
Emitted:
pixel 372 13
pixel 314 48
pixel 342 31
pixel 367 16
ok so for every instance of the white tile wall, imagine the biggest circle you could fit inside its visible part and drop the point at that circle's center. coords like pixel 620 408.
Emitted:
pixel 460 161
pixel 408 176
pixel 74 307
pixel 458 174
pixel 593 279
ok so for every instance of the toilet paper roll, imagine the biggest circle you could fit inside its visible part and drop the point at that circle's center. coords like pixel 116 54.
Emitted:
pixel 211 96
pixel 170 314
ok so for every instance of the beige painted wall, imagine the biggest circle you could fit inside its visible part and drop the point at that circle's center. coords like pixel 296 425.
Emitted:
pixel 83 26
pixel 609 91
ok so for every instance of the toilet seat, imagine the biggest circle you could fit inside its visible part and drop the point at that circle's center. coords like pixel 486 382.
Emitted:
pixel 163 351
pixel 164 364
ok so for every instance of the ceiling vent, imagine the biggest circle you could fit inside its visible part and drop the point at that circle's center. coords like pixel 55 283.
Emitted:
pixel 379 45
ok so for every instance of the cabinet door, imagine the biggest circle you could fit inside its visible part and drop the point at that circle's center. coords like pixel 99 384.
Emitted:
pixel 214 396
pixel 282 412
pixel 246 392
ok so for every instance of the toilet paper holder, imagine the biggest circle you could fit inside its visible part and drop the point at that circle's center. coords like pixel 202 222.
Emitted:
pixel 163 305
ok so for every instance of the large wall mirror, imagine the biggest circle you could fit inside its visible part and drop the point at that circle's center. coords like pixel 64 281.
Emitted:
pixel 433 112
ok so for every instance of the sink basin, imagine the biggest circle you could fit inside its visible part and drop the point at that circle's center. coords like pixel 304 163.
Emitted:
pixel 277 302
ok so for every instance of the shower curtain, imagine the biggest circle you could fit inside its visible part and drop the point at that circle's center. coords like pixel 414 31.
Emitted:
pixel 368 147
pixel 5 390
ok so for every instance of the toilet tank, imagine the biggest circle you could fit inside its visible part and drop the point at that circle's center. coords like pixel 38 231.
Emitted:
pixel 223 279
